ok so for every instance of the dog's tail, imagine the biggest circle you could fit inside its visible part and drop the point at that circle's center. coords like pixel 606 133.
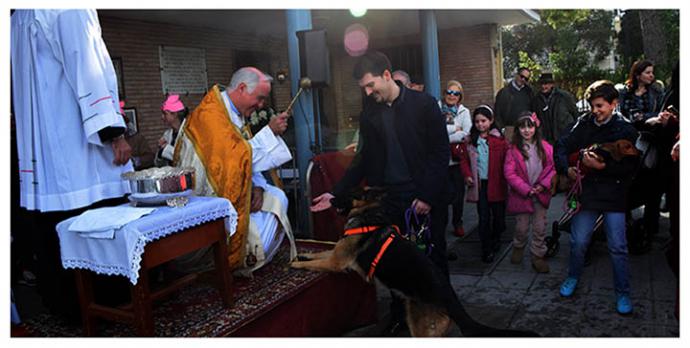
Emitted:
pixel 471 328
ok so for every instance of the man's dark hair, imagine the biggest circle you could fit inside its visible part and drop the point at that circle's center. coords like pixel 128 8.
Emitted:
pixel 374 63
pixel 523 68
pixel 601 89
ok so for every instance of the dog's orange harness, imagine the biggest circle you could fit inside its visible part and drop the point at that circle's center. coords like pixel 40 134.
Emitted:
pixel 367 229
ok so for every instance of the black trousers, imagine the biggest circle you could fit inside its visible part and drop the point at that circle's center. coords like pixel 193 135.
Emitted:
pixel 492 219
pixel 458 203
pixel 395 204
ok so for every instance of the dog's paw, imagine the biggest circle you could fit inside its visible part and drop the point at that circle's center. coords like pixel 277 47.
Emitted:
pixel 296 264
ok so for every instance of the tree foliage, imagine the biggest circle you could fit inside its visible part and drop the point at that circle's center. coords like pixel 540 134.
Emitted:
pixel 571 43
pixel 568 43
pixel 631 40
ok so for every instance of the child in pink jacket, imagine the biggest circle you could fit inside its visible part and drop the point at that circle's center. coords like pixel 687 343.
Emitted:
pixel 528 170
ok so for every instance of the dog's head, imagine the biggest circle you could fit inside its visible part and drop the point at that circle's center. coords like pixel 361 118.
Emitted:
pixel 620 148
pixel 362 204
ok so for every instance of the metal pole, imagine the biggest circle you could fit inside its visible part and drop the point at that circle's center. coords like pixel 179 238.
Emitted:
pixel 303 112
pixel 429 33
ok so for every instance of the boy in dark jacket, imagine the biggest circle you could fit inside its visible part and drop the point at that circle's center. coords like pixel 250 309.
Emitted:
pixel 604 187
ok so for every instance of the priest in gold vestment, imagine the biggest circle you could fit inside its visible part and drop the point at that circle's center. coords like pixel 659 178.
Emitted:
pixel 215 139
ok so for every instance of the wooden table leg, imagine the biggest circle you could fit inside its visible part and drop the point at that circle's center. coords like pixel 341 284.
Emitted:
pixel 85 291
pixel 220 250
pixel 141 304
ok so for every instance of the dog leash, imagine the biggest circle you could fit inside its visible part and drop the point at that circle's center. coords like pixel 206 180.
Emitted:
pixel 421 238
pixel 386 244
pixel 571 204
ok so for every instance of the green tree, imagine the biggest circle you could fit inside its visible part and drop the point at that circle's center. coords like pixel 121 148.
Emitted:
pixel 657 40
pixel 567 42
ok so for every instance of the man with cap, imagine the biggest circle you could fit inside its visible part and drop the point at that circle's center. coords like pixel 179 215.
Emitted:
pixel 173 112
pixel 555 108
pixel 216 140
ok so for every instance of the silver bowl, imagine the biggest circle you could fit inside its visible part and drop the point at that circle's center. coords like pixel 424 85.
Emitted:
pixel 158 185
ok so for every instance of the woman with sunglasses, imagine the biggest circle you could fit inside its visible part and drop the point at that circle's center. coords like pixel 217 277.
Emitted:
pixel 458 124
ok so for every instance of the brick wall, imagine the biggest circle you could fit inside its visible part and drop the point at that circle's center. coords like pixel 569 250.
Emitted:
pixel 137 42
pixel 465 54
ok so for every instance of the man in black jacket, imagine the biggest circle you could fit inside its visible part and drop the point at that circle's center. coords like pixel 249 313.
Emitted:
pixel 403 146
pixel 555 108
pixel 512 100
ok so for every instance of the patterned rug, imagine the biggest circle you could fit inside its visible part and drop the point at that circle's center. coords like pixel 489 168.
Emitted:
pixel 197 310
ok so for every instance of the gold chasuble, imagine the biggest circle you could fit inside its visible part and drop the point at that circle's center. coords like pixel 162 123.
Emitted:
pixel 226 158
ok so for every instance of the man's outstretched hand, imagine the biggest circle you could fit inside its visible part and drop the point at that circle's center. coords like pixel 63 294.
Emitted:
pixel 322 202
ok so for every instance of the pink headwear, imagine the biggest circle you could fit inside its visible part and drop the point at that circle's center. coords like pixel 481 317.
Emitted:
pixel 533 117
pixel 172 103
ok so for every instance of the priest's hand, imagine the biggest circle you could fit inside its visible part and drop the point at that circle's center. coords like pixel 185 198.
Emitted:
pixel 322 202
pixel 279 123
pixel 121 150
pixel 257 199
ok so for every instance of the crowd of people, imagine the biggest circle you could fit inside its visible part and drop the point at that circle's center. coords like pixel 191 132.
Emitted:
pixel 427 153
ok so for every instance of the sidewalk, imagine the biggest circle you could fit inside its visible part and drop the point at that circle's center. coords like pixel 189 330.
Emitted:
pixel 515 296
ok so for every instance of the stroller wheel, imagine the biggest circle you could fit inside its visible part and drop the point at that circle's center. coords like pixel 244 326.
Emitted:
pixel 552 244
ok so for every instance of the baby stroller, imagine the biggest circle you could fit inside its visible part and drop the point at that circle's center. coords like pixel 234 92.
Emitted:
pixel 637 242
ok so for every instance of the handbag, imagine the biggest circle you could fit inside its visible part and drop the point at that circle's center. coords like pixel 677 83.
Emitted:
pixel 456 151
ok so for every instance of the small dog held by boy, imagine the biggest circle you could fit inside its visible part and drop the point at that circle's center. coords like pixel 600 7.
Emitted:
pixel 375 249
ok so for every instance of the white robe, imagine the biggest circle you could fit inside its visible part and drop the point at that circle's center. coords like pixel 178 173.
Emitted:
pixel 64 92
pixel 268 151
pixel 166 156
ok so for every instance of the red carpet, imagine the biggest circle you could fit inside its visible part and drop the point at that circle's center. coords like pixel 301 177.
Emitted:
pixel 278 302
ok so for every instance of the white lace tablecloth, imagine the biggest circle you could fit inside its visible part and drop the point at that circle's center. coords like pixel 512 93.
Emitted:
pixel 122 254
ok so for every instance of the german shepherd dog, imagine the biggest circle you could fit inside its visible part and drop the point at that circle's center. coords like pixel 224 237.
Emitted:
pixel 430 301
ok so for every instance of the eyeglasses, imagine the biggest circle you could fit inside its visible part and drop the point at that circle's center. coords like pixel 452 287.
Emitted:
pixel 526 78
pixel 452 92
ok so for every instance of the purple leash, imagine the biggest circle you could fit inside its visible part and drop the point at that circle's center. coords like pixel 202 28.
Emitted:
pixel 421 238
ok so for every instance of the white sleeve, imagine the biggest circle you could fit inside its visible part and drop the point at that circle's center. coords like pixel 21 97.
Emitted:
pixel 465 122
pixel 268 150
pixel 461 120
pixel 258 180
pixel 89 70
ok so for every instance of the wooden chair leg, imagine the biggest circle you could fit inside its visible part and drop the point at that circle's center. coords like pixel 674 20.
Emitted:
pixel 85 291
pixel 141 304
pixel 220 250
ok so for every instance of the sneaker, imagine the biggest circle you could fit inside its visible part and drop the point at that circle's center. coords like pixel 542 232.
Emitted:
pixel 568 287
pixel 459 231
pixel 623 304
pixel 516 257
